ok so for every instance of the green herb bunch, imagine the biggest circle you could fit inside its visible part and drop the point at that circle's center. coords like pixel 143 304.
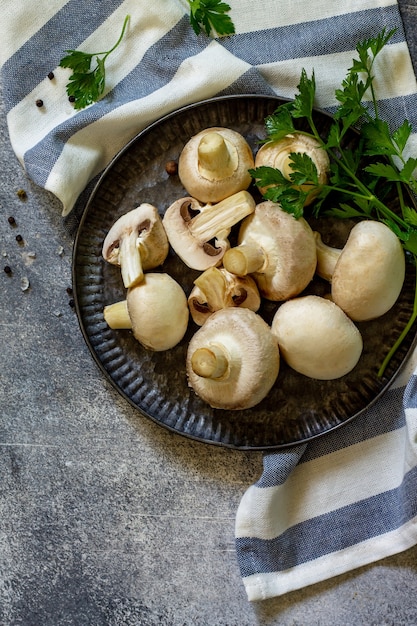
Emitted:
pixel 361 176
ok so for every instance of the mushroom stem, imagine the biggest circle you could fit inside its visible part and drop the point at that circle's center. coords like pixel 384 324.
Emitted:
pixel 327 257
pixel 117 316
pixel 244 259
pixel 210 362
pixel 130 260
pixel 214 219
pixel 217 158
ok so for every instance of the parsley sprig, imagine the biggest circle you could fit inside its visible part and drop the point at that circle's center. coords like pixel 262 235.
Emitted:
pixel 361 176
pixel 210 16
pixel 86 85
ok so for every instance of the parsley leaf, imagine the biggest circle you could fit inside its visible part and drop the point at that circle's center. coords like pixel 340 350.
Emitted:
pixel 304 170
pixel 280 189
pixel 86 85
pixel 384 170
pixel 304 100
pixel 279 124
pixel 210 16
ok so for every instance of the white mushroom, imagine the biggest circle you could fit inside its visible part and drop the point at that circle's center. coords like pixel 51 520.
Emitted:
pixel 233 359
pixel 214 164
pixel 137 242
pixel 156 310
pixel 216 289
pixel 199 234
pixel 278 250
pixel 277 154
pixel 367 275
pixel 316 338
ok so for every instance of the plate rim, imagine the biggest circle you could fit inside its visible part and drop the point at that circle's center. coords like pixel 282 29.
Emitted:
pixel 199 439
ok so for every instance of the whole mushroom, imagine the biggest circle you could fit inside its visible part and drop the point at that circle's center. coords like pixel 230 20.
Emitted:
pixel 277 154
pixel 233 359
pixel 216 289
pixel 278 250
pixel 316 338
pixel 156 310
pixel 136 242
pixel 367 274
pixel 199 233
pixel 214 164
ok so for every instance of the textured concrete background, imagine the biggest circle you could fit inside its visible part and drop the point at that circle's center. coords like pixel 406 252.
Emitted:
pixel 105 518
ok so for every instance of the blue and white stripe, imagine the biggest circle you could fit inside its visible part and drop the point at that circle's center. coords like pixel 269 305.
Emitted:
pixel 161 65
pixel 343 501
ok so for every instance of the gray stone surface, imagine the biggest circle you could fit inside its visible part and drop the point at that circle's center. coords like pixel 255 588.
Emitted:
pixel 105 518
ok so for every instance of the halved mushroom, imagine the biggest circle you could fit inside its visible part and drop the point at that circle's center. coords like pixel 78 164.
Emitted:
pixel 316 338
pixel 233 359
pixel 214 164
pixel 277 154
pixel 155 309
pixel 216 289
pixel 278 250
pixel 137 241
pixel 367 275
pixel 198 233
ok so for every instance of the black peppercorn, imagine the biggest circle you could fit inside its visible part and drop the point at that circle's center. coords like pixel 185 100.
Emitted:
pixel 7 269
pixel 39 103
pixel 69 291
pixel 19 238
pixel 71 98
pixel 11 220
pixel 51 75
pixel 71 303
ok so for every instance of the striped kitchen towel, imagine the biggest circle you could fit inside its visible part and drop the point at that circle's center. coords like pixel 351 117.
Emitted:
pixel 162 65
pixel 345 499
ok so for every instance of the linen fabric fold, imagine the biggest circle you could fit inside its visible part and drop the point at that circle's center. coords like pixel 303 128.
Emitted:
pixel 349 497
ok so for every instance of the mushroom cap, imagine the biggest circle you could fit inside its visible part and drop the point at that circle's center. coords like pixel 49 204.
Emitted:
pixel 316 338
pixel 152 240
pixel 221 289
pixel 215 185
pixel 253 359
pixel 158 311
pixel 369 274
pixel 276 154
pixel 289 247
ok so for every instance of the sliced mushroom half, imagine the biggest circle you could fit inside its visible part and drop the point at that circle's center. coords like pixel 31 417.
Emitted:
pixel 216 289
pixel 199 233
pixel 136 242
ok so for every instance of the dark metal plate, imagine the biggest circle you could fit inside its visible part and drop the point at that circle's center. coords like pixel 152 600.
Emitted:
pixel 298 408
